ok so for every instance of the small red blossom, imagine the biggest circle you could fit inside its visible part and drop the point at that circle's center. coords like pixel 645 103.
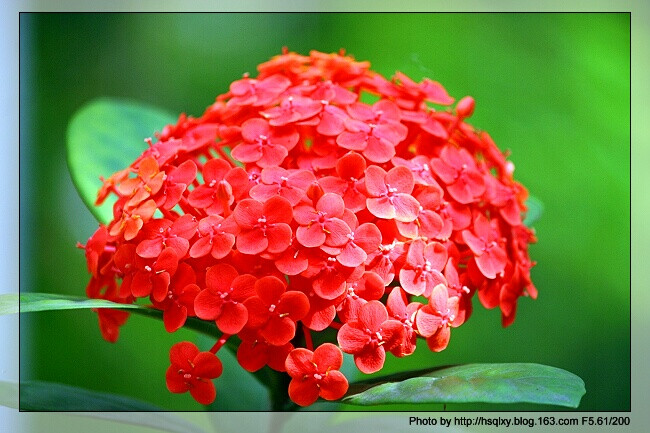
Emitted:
pixel 457 169
pixel 321 224
pixel 274 311
pixel 222 301
pixel 248 91
pixel 192 370
pixel 276 181
pixel 264 146
pixel 255 352
pixel 423 268
pixel 162 233
pixel 358 244
pixel 316 374
pixel 434 320
pixel 369 336
pixel 389 194
pixel 147 183
pixel 370 287
pixel 176 184
pixel 490 257
pixel 291 110
pixel 153 279
pixel 349 182
pixel 215 195
pixel 131 221
pixel 398 309
pixel 179 302
pixel 216 237
pixel 264 226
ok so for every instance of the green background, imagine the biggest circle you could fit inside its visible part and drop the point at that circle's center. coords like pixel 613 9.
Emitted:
pixel 552 88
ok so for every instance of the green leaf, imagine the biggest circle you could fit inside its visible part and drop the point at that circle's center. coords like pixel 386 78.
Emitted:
pixel 106 136
pixel 30 302
pixel 47 396
pixel 535 210
pixel 473 383
pixel 55 396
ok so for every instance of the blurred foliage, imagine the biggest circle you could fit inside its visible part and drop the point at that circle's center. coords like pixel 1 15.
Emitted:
pixel 552 88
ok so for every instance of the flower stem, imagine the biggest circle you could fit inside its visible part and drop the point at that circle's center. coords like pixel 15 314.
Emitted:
pixel 220 342
pixel 308 340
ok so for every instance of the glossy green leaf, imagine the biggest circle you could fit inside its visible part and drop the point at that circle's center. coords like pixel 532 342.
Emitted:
pixel 48 396
pixel 30 302
pixel 473 383
pixel 106 136
pixel 535 210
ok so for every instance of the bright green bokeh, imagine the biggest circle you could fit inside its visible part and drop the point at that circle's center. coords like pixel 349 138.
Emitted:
pixel 552 88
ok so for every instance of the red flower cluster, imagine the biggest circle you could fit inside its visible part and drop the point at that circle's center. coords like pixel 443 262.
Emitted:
pixel 292 205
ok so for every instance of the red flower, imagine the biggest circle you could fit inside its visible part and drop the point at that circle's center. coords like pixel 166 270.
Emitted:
pixel 191 371
pixel 175 185
pixel 427 89
pixel 215 195
pixel 255 352
pixel 383 261
pixel 264 226
pixel 349 182
pixel 328 275
pixel 322 224
pixel 369 336
pixel 434 319
pixel 147 183
pixel 179 302
pixel 370 287
pixel 257 92
pixel 222 301
pixel 457 169
pixel 95 248
pixel 110 322
pixel 315 374
pixel 154 279
pixel 423 268
pixel 389 194
pixel 274 311
pixel 292 109
pixel 490 257
pixel 216 237
pixel 162 233
pixel 277 181
pixel 398 309
pixel 132 221
pixel 265 146
pixel 373 130
pixel 291 201
pixel 359 243
pixel 321 311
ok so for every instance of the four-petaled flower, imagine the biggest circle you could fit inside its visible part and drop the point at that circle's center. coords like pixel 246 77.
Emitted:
pixel 369 336
pixel 316 374
pixel 274 311
pixel 264 226
pixel 222 300
pixel 484 242
pixel 434 320
pixel 265 146
pixel 389 194
pixel 192 370
pixel 423 268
